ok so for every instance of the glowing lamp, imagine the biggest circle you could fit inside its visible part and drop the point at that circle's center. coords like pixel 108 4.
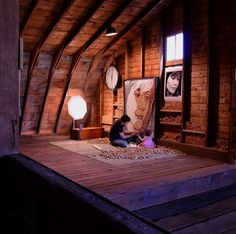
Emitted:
pixel 77 108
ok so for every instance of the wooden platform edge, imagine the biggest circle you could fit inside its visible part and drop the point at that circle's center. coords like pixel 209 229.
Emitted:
pixel 197 150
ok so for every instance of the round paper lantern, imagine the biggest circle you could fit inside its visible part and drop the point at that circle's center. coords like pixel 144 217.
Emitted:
pixel 77 107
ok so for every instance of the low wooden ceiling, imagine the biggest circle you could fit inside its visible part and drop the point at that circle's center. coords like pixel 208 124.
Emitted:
pixel 49 25
pixel 73 29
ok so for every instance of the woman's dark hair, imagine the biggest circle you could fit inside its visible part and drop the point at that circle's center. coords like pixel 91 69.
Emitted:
pixel 148 132
pixel 176 75
pixel 125 118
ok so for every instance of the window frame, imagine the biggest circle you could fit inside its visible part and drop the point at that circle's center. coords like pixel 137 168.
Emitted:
pixel 173 57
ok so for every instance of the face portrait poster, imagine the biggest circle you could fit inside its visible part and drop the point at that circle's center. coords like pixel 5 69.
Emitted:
pixel 173 83
pixel 139 103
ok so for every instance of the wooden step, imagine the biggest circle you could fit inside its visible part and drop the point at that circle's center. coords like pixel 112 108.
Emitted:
pixel 170 188
pixel 183 205
pixel 215 218
pixel 209 212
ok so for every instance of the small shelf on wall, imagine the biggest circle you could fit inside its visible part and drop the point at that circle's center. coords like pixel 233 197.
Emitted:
pixel 170 111
pixel 194 132
pixel 170 124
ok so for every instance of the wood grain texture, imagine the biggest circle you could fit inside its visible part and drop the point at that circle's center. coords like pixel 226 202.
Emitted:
pixel 9 83
pixel 86 51
pixel 111 181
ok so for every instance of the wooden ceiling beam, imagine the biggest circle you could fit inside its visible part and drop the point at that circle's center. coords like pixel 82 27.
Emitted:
pixel 28 14
pixel 100 55
pixel 34 55
pixel 78 56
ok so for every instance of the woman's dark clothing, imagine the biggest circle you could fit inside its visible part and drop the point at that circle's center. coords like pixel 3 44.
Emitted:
pixel 115 137
pixel 115 131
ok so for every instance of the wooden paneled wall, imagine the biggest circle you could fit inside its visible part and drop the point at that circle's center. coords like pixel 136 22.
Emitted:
pixel 152 49
pixel 35 95
pixel 9 77
pixel 210 77
pixel 31 119
pixel 199 70
pixel 54 95
pixel 233 87
pixel 211 64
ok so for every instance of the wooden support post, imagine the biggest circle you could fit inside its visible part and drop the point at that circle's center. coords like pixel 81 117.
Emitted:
pixel 209 76
pixel 160 82
pixel 162 62
pixel 9 86
pixel 186 91
pixel 213 81
pixel 101 96
pixel 232 137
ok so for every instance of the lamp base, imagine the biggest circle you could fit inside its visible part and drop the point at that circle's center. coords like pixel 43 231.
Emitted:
pixel 86 133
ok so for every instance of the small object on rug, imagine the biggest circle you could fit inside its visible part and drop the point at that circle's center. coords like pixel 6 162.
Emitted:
pixel 132 145
pixel 97 147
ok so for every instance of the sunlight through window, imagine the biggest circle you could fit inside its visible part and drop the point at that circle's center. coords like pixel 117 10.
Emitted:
pixel 174 47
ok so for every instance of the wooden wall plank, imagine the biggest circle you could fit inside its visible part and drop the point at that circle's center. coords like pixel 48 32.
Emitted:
pixel 37 49
pixel 9 81
pixel 56 58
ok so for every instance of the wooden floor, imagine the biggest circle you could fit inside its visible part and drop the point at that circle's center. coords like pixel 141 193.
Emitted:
pixel 111 181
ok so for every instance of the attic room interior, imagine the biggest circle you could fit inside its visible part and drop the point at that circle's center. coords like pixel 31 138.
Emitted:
pixel 169 65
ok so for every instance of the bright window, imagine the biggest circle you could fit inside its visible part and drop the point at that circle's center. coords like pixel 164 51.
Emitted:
pixel 174 47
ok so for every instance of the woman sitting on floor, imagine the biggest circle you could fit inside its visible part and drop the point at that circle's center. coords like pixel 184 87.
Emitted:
pixel 118 136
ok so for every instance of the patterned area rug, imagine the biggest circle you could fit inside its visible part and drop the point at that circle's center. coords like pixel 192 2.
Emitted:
pixel 100 149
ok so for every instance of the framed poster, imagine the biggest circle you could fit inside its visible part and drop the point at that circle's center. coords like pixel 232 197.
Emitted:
pixel 173 83
pixel 139 103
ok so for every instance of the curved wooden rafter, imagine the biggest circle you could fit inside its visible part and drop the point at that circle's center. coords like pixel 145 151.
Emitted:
pixel 57 56
pixel 78 56
pixel 38 47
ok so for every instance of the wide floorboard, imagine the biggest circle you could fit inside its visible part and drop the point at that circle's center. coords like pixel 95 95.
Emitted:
pixel 104 178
